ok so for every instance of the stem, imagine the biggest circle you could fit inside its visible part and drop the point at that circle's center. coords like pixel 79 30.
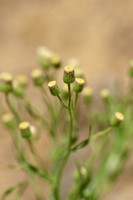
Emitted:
pixel 12 109
pixel 71 117
pixel 67 154
pixel 47 101
pixel 76 99
pixel 93 137
pixel 35 186
pixel 36 156
pixel 63 104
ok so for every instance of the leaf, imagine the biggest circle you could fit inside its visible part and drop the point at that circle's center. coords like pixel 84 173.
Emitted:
pixel 84 142
pixel 10 190
pixel 34 170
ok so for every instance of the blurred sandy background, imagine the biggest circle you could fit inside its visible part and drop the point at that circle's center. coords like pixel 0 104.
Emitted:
pixel 97 32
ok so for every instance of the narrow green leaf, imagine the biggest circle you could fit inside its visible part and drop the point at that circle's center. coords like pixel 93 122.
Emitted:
pixel 10 190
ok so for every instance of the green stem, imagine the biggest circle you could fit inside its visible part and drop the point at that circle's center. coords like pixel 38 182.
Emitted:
pixel 67 154
pixel 12 109
pixel 44 95
pixel 71 117
pixel 101 133
pixel 37 157
pixel 63 104
pixel 35 186
pixel 76 99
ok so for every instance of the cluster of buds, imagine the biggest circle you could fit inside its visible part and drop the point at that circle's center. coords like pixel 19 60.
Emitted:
pixel 6 80
pixel 68 78
pixel 47 58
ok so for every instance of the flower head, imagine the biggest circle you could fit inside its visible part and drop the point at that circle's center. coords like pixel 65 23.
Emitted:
pixel 105 93
pixel 69 75
pixel 37 77
pixel 117 119
pixel 78 85
pixel 25 129
pixel 54 88
pixel 6 82
pixel 44 57
pixel 22 80
pixel 56 60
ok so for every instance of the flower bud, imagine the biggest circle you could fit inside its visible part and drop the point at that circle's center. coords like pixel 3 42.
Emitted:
pixel 105 95
pixel 54 88
pixel 56 61
pixel 131 68
pixel 117 119
pixel 22 80
pixel 78 85
pixel 6 82
pixel 87 94
pixel 8 120
pixel 64 91
pixel 69 75
pixel 44 57
pixel 25 129
pixel 37 77
pixel 17 89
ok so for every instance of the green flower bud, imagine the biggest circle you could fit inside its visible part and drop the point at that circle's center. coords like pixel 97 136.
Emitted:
pixel 87 94
pixel 44 56
pixel 37 77
pixel 131 68
pixel 56 61
pixel 69 76
pixel 78 85
pixel 105 95
pixel 54 88
pixel 25 129
pixel 22 80
pixel 117 119
pixel 8 120
pixel 17 89
pixel 6 82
